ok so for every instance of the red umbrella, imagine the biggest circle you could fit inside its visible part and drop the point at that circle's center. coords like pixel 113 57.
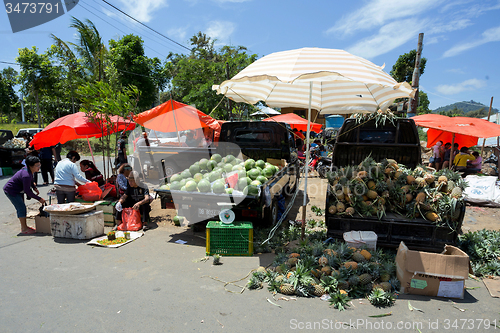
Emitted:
pixel 295 121
pixel 78 126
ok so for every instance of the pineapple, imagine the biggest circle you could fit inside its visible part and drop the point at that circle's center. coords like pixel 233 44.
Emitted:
pixel 305 290
pixel 381 298
pixel 323 261
pixel 319 290
pixel 366 254
pixel 340 300
pixel 371 185
pixel 365 278
pixel 287 289
pixel 326 270
pixel 279 278
pixel 292 262
pixel 316 272
pixel 262 269
pixel 216 260
pixel 386 286
pixel 351 264
pixel 350 211
pixel 294 255
pixel 353 280
pixel 340 207
pixel 342 284
pixel 254 283
pixel 456 192
pixel 329 252
pixel 358 257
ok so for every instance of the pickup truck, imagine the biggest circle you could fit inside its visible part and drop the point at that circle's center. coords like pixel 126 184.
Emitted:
pixel 10 156
pixel 267 141
pixel 397 140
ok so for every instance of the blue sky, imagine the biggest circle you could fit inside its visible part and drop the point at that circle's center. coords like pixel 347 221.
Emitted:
pixel 461 41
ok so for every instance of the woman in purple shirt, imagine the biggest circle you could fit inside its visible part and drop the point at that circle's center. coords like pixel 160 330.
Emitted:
pixel 20 183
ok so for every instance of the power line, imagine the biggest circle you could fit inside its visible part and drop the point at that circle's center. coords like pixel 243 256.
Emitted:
pixel 141 31
pixel 121 11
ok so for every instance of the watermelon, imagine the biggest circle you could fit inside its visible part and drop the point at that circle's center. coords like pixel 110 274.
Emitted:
pixel 203 164
pixel 261 164
pixel 251 190
pixel 242 174
pixel 204 186
pixel 262 179
pixel 183 189
pixel 229 190
pixel 218 187
pixel 216 157
pixel 175 186
pixel 228 168
pixel 256 183
pixel 268 171
pixel 175 178
pixel 198 177
pixel 191 186
pixel 194 169
pixel 211 165
pixel 178 220
pixel 214 176
pixel 242 183
pixel 253 173
pixel 237 161
pixel 183 182
pixel 249 164
pixel 186 174
pixel 236 167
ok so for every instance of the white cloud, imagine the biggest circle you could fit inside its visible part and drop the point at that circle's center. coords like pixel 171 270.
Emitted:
pixel 220 30
pixel 453 25
pixel 455 70
pixel 377 12
pixel 451 89
pixel 178 33
pixel 388 38
pixel 142 9
pixel 490 35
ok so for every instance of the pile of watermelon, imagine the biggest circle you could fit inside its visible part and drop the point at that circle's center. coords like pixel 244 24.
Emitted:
pixel 221 175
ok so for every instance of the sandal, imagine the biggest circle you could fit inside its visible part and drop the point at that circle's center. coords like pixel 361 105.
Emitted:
pixel 30 231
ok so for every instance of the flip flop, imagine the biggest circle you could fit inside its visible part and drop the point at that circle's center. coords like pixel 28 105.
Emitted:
pixel 29 231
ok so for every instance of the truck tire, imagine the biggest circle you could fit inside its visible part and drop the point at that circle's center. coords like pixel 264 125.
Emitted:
pixel 271 214
pixel 322 170
pixel 170 169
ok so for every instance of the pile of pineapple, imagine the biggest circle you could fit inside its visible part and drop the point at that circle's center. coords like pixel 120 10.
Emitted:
pixel 374 189
pixel 338 270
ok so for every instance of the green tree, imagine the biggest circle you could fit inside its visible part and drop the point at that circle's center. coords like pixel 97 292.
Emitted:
pixel 192 76
pixel 479 113
pixel 37 75
pixel 402 71
pixel 455 112
pixel 423 103
pixel 8 97
pixel 100 101
pixel 133 67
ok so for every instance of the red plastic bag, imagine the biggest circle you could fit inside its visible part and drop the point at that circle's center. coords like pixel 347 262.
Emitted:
pixel 90 191
pixel 131 220
pixel 112 192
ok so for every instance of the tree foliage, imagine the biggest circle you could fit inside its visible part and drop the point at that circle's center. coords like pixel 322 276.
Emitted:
pixel 423 103
pixel 7 95
pixel 402 71
pixel 134 68
pixel 192 76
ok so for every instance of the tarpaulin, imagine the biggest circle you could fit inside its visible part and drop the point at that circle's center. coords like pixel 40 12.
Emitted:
pixel 467 130
pixel 295 121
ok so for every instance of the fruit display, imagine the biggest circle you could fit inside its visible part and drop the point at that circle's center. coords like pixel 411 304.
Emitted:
pixel 375 189
pixel 115 241
pixel 16 143
pixel 340 271
pixel 222 175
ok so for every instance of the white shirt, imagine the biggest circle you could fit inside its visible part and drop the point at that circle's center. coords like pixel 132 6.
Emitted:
pixel 66 173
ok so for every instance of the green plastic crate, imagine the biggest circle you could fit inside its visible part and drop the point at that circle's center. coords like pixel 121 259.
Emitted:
pixel 234 239
pixel 7 171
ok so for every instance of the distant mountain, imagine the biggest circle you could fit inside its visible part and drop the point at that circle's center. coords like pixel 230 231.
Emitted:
pixel 466 108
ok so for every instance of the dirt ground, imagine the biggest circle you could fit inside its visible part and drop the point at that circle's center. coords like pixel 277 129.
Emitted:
pixel 476 218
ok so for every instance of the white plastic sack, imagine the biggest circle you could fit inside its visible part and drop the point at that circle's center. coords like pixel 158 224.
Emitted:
pixel 480 187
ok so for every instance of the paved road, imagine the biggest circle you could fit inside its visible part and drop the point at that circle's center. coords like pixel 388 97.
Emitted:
pixel 156 285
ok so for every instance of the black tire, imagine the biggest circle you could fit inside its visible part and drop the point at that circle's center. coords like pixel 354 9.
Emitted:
pixel 271 214
pixel 170 169
pixel 322 170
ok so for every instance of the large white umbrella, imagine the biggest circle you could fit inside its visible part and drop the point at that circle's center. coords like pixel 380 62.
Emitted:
pixel 264 111
pixel 328 80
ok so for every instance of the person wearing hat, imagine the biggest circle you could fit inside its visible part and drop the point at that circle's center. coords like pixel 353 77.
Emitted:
pixel 137 197
pixel 122 151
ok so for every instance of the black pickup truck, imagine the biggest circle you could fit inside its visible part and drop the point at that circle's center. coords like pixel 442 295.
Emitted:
pixel 267 141
pixel 10 156
pixel 399 141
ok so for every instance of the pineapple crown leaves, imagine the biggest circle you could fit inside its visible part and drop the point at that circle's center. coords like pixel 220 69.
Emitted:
pixel 339 300
pixel 259 276
pixel 254 283
pixel 380 298
pixel 301 276
pixel 270 276
pixel 329 283
pixel 305 290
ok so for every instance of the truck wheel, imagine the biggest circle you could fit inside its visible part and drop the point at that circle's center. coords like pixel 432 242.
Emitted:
pixel 322 170
pixel 271 214
pixel 170 169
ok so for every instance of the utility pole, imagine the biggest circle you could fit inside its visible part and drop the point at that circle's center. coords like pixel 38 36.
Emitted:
pixel 484 140
pixel 412 105
pixel 230 102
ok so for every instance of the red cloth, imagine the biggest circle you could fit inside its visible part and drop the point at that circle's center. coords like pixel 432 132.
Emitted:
pixel 295 122
pixel 78 126
pixel 467 130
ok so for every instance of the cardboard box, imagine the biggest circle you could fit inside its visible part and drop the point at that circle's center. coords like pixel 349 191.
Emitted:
pixel 80 226
pixel 432 274
pixel 42 225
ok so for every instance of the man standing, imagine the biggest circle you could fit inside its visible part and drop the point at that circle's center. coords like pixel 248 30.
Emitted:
pixel 122 150
pixel 67 175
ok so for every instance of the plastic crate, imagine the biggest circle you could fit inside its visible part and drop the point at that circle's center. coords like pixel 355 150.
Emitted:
pixel 234 239
pixel 7 171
